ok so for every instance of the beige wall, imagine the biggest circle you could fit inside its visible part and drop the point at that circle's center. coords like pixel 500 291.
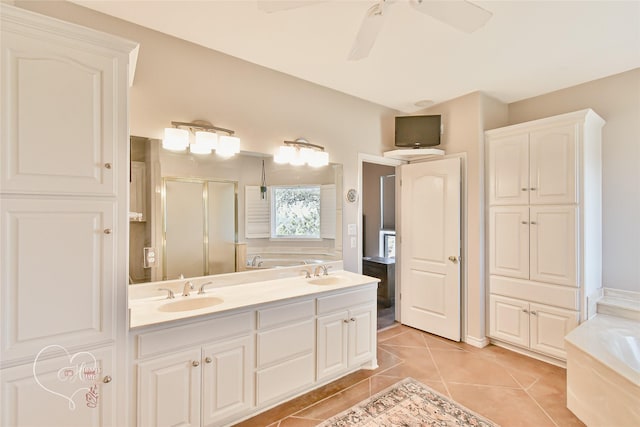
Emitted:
pixel 617 100
pixel 180 81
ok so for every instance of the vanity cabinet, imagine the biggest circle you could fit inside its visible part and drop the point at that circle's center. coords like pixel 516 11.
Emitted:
pixel 344 332
pixel 169 390
pixel 544 228
pixel 63 186
pixel 225 367
pixel 213 380
pixel 286 352
pixel 199 374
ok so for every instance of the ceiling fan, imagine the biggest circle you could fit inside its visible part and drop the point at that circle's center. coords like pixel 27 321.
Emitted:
pixel 460 14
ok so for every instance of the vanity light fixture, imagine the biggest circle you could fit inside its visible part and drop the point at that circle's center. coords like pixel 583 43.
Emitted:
pixel 206 139
pixel 300 152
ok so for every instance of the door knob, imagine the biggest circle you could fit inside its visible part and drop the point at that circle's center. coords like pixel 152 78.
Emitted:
pixel 453 259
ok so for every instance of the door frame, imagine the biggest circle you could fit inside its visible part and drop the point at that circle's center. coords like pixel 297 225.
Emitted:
pixel 369 158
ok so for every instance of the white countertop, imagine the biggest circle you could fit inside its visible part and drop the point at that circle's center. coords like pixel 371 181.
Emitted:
pixel 144 306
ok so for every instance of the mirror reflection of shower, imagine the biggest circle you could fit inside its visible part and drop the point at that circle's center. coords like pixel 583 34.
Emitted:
pixel 199 227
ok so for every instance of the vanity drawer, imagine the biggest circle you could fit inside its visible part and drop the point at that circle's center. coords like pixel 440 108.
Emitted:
pixel 278 315
pixel 179 337
pixel 284 379
pixel 283 343
pixel 346 300
pixel 543 293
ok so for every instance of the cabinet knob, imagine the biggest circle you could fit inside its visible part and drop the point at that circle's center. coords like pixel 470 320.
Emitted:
pixel 352 319
pixel 453 259
pixel 533 188
pixel 107 231
pixel 346 320
pixel 524 310
pixel 208 359
pixel 525 222
pixel 533 223
pixel 107 165
pixel 535 313
pixel 195 363
pixel 107 379
pixel 524 189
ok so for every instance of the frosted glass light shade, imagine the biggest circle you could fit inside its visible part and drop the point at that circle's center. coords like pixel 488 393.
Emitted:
pixel 200 148
pixel 297 159
pixel 285 154
pixel 318 159
pixel 175 139
pixel 209 139
pixel 228 145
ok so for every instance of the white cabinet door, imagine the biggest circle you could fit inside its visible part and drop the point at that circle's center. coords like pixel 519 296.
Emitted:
pixel 509 320
pixel 361 324
pixel 60 115
pixel 509 170
pixel 554 244
pixel 549 325
pixel 509 241
pixel 169 390
pixel 332 335
pixel 57 274
pixel 227 383
pixel 65 391
pixel 552 166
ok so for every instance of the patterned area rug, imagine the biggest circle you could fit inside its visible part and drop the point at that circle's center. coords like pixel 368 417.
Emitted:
pixel 407 403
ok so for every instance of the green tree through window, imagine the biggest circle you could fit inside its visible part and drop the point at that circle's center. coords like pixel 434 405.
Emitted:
pixel 296 212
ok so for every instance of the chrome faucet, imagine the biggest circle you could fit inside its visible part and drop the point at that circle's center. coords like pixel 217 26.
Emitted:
pixel 170 294
pixel 322 268
pixel 188 286
pixel 307 273
pixel 201 290
pixel 254 260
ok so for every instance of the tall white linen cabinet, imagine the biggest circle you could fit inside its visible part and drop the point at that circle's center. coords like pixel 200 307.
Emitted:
pixel 544 229
pixel 63 203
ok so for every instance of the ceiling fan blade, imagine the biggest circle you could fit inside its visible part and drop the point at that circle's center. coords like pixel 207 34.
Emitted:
pixel 460 14
pixel 368 33
pixel 272 6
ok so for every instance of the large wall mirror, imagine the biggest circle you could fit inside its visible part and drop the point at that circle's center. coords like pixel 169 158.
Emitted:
pixel 197 215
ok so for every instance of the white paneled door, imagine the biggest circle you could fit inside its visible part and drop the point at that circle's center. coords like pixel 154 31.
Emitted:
pixel 430 246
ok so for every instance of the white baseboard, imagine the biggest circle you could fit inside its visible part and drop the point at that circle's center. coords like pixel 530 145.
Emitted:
pixel 476 342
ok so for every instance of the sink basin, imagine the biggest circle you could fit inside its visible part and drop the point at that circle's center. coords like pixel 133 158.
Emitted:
pixel 190 304
pixel 327 280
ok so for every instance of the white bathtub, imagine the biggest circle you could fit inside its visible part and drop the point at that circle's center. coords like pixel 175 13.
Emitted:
pixel 603 371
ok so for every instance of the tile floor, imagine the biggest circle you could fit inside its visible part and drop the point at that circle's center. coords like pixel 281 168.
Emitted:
pixel 510 389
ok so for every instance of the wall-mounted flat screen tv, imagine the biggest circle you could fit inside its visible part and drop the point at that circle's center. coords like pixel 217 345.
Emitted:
pixel 417 131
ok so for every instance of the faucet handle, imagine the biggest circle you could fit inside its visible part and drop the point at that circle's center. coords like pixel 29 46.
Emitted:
pixel 325 269
pixel 170 293
pixel 201 290
pixel 307 273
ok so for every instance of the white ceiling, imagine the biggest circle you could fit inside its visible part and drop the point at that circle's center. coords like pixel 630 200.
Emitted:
pixel 527 48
